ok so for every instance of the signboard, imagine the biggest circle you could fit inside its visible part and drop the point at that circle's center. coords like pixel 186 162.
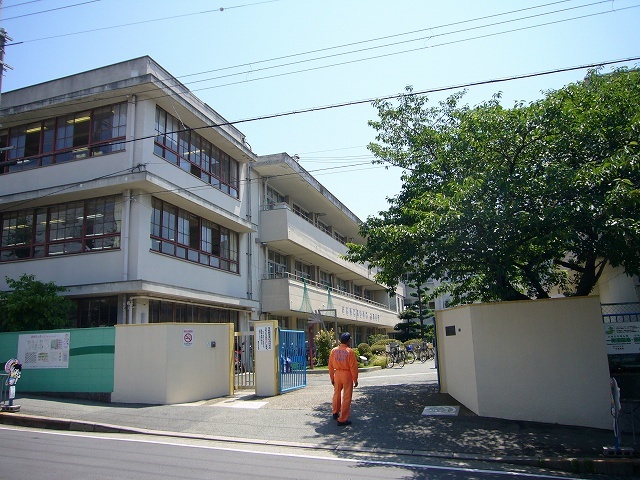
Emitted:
pixel 187 337
pixel 264 337
pixel 622 337
pixel 44 350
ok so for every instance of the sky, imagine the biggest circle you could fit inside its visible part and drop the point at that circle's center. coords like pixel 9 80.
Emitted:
pixel 249 59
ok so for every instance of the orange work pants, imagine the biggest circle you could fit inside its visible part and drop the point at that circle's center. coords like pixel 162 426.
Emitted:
pixel 342 393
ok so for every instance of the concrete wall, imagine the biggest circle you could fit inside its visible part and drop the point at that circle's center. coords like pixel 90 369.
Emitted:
pixel 542 360
pixel 155 364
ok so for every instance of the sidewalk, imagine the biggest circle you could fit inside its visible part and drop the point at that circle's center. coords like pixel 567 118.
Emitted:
pixel 385 419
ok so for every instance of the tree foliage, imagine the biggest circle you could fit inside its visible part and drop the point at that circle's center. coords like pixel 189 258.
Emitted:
pixel 33 305
pixel 510 203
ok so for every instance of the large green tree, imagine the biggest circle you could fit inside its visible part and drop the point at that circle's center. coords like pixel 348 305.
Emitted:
pixel 33 305
pixel 510 203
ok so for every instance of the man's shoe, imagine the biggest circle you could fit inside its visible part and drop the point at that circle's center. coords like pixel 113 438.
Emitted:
pixel 345 423
pixel 335 416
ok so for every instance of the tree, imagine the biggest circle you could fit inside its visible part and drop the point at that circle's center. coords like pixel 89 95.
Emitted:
pixel 33 305
pixel 508 204
pixel 418 310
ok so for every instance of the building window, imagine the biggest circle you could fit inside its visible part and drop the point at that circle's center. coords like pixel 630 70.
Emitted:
pixel 276 264
pixel 326 279
pixel 162 311
pixel 96 312
pixel 181 234
pixel 304 271
pixel 339 237
pixel 298 210
pixel 274 197
pixel 76 227
pixel 186 149
pixel 341 285
pixel 70 137
pixel 324 227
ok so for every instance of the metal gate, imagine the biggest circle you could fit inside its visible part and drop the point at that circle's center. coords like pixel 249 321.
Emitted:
pixel 244 361
pixel 293 360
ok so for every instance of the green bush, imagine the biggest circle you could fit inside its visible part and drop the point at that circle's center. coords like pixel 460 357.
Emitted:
pixel 378 361
pixel 324 341
pixel 365 350
pixel 381 346
pixel 373 339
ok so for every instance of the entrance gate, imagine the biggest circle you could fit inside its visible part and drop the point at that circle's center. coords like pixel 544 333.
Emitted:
pixel 293 360
pixel 244 361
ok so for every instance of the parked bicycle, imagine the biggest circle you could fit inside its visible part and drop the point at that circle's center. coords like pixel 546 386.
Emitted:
pixel 410 353
pixel 424 351
pixel 395 355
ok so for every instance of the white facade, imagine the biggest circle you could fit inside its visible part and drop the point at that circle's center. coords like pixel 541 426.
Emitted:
pixel 122 186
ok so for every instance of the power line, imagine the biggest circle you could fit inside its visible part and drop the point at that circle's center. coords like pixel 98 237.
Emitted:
pixel 463 30
pixel 21 4
pixel 340 105
pixel 51 10
pixel 374 57
pixel 173 17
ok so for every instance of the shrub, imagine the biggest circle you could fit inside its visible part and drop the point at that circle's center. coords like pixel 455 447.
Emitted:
pixel 378 361
pixel 365 350
pixel 373 339
pixel 324 341
pixel 381 346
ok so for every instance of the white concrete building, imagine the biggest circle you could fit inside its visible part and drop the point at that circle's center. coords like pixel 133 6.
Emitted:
pixel 121 185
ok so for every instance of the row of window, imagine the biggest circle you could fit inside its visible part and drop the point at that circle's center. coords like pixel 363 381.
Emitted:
pixel 182 234
pixel 75 227
pixel 60 139
pixel 95 224
pixel 161 311
pixel 277 266
pixel 183 147
pixel 103 312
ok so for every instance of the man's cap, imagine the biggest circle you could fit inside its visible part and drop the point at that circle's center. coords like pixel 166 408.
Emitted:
pixel 345 337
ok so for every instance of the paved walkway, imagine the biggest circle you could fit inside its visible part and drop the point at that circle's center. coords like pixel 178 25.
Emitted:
pixel 385 418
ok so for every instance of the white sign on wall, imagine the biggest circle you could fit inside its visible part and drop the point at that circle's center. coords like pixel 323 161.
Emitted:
pixel 44 350
pixel 187 337
pixel 623 337
pixel 264 337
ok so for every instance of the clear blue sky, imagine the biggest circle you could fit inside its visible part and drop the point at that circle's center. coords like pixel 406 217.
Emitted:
pixel 252 59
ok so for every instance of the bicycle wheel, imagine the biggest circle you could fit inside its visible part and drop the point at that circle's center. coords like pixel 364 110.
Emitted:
pixel 390 360
pixel 423 355
pixel 401 359
pixel 411 356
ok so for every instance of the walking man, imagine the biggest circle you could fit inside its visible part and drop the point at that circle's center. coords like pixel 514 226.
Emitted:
pixel 343 371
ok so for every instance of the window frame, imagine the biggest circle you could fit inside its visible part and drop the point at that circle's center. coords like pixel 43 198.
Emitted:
pixel 60 139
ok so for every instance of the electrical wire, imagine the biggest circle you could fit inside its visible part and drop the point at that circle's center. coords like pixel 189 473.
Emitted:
pixel 163 95
pixel 51 10
pixel 388 97
pixel 141 22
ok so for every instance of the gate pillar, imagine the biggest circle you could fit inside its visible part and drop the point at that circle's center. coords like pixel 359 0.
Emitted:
pixel 266 345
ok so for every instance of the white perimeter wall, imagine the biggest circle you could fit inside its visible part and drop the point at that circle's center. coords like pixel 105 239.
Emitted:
pixel 541 360
pixel 154 364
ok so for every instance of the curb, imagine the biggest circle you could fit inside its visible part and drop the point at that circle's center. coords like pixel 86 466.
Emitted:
pixel 624 467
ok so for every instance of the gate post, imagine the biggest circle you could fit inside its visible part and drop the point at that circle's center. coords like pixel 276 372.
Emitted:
pixel 266 345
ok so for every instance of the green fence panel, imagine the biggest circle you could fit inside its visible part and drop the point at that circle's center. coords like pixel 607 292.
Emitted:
pixel 90 366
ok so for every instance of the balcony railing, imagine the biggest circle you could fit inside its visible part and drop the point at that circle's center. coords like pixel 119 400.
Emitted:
pixel 324 286
pixel 324 228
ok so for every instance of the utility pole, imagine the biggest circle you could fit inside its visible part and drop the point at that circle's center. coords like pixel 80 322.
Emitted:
pixel 3 40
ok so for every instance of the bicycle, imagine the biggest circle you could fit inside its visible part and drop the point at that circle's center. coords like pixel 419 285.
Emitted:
pixel 395 355
pixel 410 354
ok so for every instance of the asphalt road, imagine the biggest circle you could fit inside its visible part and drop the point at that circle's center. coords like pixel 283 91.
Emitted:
pixel 36 454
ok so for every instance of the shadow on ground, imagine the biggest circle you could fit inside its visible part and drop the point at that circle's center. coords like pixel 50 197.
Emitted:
pixel 391 417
